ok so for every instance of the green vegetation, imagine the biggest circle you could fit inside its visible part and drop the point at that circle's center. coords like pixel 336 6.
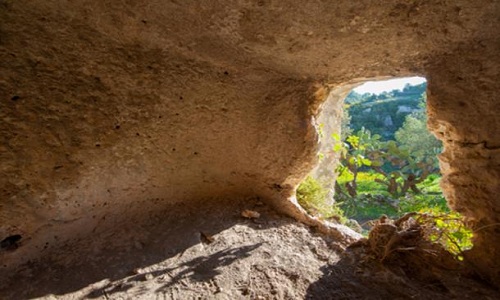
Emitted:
pixel 447 229
pixel 383 114
pixel 311 195
pixel 390 172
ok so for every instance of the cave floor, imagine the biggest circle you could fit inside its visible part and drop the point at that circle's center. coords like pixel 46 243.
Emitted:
pixel 202 252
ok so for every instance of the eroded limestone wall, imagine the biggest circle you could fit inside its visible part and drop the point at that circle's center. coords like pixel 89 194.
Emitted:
pixel 113 108
pixel 329 123
pixel 464 113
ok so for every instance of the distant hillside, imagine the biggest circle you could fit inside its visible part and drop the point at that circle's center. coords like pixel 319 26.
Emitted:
pixel 385 113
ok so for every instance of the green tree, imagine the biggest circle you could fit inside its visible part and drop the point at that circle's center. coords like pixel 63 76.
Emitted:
pixel 401 169
pixel 384 113
pixel 353 157
pixel 414 137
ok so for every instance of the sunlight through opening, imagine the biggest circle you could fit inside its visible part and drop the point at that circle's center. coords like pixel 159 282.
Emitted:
pixel 387 164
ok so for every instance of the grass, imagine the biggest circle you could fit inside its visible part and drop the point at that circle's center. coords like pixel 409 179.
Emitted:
pixel 443 226
pixel 373 200
pixel 312 196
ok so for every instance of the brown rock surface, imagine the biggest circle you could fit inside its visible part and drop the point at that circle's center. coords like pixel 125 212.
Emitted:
pixel 111 110
pixel 196 250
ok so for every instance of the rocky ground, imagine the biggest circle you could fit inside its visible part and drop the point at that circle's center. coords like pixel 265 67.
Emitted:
pixel 203 252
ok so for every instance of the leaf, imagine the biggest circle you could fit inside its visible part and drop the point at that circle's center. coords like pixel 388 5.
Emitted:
pixel 353 140
pixel 366 162
pixel 335 137
pixel 337 147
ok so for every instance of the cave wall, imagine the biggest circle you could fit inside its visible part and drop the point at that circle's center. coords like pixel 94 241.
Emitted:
pixel 115 108
pixel 463 109
pixel 328 124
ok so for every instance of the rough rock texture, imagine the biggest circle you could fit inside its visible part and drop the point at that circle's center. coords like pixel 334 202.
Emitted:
pixel 112 109
pixel 198 251
pixel 471 159
pixel 329 122
pixel 185 251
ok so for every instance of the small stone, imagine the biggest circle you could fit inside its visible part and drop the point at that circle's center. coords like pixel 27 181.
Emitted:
pixel 250 214
pixel 136 271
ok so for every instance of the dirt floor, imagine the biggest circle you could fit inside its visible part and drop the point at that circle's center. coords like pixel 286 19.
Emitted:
pixel 209 253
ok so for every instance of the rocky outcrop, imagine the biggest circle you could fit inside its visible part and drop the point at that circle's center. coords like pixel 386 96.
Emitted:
pixel 329 121
pixel 115 108
pixel 463 114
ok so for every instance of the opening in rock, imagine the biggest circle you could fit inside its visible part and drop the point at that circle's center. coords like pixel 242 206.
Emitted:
pixel 387 163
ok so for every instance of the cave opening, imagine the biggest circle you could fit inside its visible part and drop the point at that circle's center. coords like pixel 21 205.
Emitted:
pixel 377 159
pixel 388 158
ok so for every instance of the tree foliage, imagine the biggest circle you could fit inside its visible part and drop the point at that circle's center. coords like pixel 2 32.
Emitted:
pixel 383 114
pixel 401 170
pixel 416 139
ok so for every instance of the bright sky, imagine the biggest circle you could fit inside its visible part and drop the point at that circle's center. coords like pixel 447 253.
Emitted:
pixel 377 87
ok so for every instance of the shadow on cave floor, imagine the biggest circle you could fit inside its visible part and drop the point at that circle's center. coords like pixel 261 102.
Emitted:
pixel 419 274
pixel 200 269
pixel 184 251
pixel 197 250
pixel 119 253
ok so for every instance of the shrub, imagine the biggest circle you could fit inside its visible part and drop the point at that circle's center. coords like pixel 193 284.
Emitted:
pixel 312 196
pixel 447 229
